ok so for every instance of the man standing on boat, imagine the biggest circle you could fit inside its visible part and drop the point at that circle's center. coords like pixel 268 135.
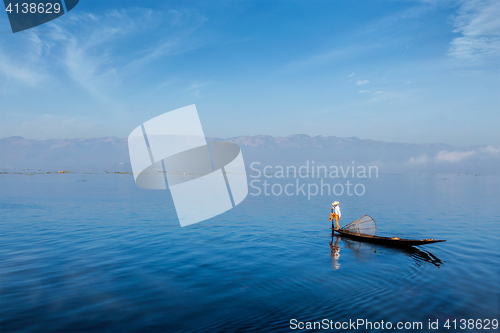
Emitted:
pixel 335 214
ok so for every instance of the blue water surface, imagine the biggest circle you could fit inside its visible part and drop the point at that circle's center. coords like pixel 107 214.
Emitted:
pixel 90 251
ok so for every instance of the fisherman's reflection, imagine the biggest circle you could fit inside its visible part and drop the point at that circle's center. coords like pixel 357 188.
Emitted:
pixel 335 252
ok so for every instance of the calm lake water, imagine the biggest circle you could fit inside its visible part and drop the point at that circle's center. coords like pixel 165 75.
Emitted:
pixel 93 252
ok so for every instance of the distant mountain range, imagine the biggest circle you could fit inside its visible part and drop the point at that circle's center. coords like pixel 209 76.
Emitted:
pixel 111 153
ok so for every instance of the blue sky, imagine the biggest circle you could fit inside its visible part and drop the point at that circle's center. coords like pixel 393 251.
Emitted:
pixel 406 71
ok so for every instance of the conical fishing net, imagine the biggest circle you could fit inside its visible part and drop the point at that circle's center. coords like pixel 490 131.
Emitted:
pixel 364 225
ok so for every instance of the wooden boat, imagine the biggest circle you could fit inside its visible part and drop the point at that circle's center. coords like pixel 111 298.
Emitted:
pixel 392 241
pixel 365 229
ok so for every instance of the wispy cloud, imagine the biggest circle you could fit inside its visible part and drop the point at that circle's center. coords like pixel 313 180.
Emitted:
pixel 87 53
pixel 195 88
pixel 19 71
pixel 474 49
pixel 479 23
pixel 319 59
pixel 362 82
pixel 88 48
pixel 164 83
pixel 454 156
pixel 418 160
pixel 487 156
pixel 175 42
pixel 382 96
pixel 492 151
pixel 25 64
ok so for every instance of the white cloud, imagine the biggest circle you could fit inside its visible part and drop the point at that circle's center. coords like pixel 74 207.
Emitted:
pixel 19 71
pixel 457 156
pixel 478 18
pixel 164 83
pixel 364 92
pixel 175 43
pixel 24 63
pixel 362 82
pixel 89 48
pixel 195 88
pixel 491 150
pixel 474 49
pixel 384 96
pixel 454 156
pixel 326 57
pixel 418 160
pixel 87 55
pixel 351 75
pixel 479 23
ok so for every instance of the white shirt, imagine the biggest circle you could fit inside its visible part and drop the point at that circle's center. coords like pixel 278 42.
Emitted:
pixel 337 210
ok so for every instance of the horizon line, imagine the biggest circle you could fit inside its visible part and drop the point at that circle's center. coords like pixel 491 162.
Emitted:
pixel 254 136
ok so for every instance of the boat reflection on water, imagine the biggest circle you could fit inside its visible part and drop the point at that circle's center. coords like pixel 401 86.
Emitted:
pixel 420 256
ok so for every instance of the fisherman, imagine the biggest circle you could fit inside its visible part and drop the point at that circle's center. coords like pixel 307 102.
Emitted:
pixel 335 214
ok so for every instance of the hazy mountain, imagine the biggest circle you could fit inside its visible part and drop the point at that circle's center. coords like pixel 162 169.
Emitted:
pixel 99 153
pixel 112 153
